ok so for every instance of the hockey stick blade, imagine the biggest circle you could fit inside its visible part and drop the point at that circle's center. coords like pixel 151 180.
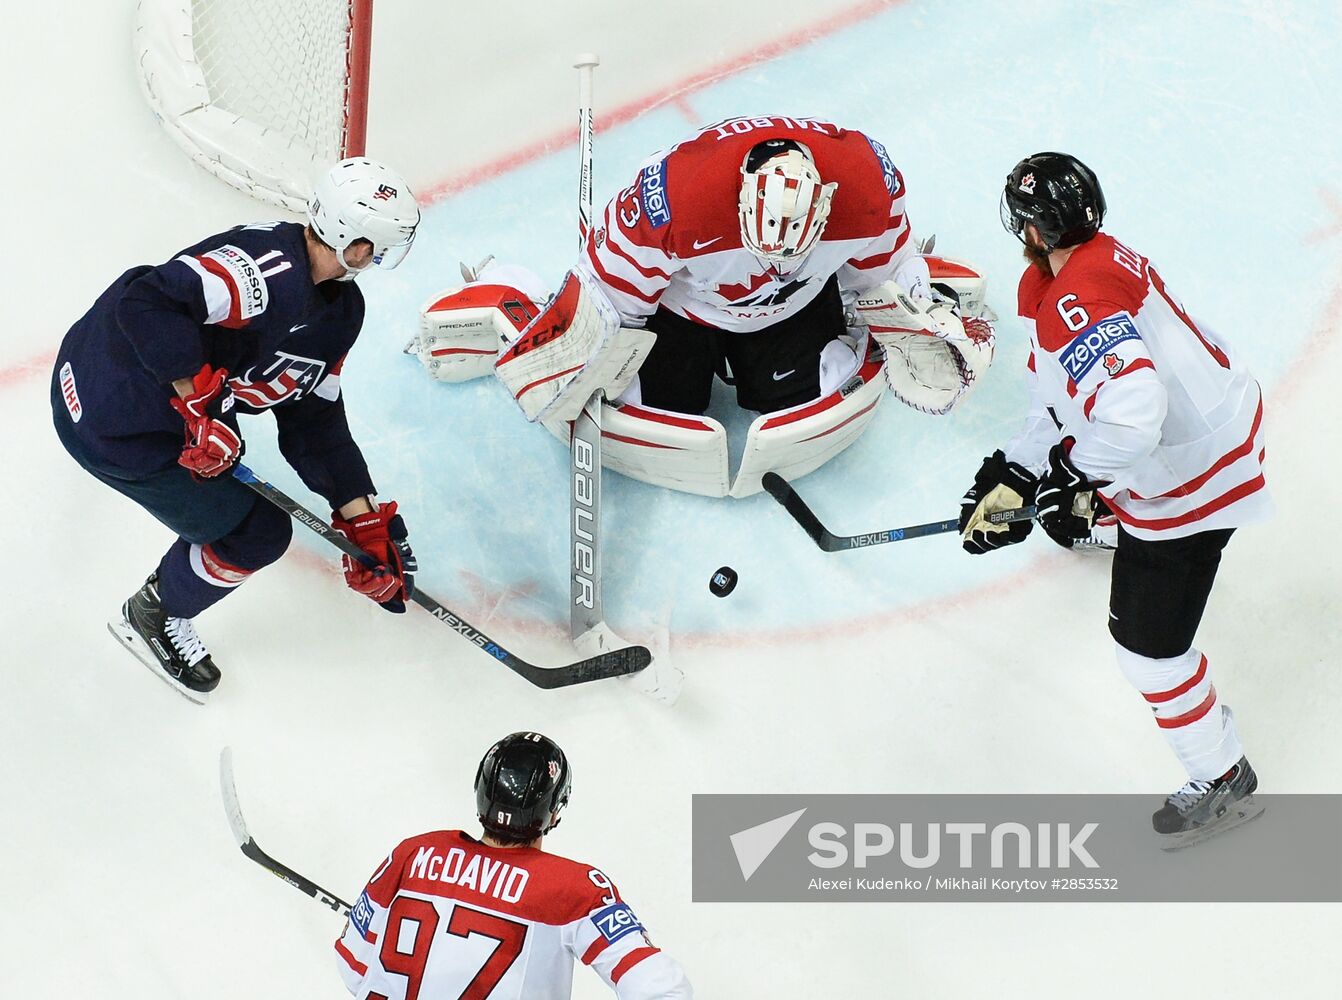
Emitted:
pixel 613 663
pixel 250 848
pixel 781 490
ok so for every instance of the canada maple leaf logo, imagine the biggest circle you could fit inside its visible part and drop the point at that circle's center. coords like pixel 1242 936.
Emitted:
pixel 1113 364
pixel 738 291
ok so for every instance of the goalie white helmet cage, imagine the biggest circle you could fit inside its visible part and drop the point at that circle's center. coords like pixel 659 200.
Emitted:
pixel 784 204
pixel 361 199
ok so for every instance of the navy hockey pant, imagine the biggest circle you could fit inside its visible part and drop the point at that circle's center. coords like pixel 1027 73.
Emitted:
pixel 225 531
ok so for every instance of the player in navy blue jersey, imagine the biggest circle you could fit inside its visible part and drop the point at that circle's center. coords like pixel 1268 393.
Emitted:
pixel 149 383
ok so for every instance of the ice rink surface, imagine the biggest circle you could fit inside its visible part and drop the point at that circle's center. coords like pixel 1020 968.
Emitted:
pixel 1215 128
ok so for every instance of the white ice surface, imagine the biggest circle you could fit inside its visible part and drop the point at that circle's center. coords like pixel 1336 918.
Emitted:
pixel 911 668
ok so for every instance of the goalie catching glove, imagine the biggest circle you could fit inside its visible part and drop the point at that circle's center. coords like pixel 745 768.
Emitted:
pixel 934 356
pixel 574 348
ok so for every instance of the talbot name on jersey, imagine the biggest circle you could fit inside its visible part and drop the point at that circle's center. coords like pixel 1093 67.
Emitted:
pixel 740 126
pixel 652 191
pixel 471 871
pixel 244 277
pixel 614 922
pixel 1095 341
pixel 887 167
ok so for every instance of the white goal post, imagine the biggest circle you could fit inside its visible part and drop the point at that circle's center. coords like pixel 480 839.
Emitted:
pixel 265 94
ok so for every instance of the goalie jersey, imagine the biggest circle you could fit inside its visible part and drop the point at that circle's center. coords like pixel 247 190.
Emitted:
pixel 673 237
pixel 1160 409
pixel 449 916
pixel 242 300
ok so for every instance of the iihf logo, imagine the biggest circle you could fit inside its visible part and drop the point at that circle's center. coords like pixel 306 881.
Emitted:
pixel 385 192
pixel 1027 183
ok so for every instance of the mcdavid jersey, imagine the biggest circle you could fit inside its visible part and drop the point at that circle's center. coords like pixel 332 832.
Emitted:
pixel 1159 407
pixel 448 916
pixel 673 237
pixel 243 301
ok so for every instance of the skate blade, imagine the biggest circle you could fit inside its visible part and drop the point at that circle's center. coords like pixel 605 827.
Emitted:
pixel 1237 814
pixel 129 638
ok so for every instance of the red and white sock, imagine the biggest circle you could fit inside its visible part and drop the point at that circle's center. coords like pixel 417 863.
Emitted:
pixel 1199 730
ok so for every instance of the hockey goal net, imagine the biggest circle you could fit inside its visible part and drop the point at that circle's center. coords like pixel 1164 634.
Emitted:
pixel 266 94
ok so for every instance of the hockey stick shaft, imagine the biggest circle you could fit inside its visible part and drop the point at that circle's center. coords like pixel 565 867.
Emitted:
pixel 252 850
pixel 614 663
pixel 586 608
pixel 781 490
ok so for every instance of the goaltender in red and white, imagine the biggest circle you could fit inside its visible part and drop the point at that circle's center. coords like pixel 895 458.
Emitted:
pixel 775 252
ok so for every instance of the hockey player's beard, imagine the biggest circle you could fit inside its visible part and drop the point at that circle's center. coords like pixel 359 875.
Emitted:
pixel 1038 257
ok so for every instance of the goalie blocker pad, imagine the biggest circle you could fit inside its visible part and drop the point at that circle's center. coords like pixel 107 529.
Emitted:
pixel 689 453
pixel 573 349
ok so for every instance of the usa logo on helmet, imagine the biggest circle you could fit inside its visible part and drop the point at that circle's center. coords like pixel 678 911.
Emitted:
pixel 385 192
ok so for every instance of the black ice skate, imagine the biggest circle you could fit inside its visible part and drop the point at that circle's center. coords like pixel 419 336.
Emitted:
pixel 167 646
pixel 1203 809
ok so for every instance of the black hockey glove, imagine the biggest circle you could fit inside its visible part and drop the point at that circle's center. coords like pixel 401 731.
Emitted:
pixel 1067 502
pixel 999 485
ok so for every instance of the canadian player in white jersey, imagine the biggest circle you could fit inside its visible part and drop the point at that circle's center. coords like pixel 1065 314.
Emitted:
pixel 495 917
pixel 742 252
pixel 1135 402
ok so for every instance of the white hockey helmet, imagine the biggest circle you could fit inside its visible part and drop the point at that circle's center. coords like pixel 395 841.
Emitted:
pixel 361 199
pixel 784 204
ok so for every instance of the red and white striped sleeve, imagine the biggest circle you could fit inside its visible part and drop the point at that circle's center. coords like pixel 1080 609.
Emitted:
pixel 627 250
pixel 357 947
pixel 881 257
pixel 1111 373
pixel 613 942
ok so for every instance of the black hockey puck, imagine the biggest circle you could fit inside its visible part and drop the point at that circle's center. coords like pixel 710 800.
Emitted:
pixel 723 582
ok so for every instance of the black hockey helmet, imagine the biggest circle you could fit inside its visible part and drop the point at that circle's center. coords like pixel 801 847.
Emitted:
pixel 521 786
pixel 1058 194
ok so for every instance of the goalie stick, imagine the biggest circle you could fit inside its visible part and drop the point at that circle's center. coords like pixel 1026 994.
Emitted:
pixel 586 611
pixel 781 490
pixel 253 850
pixel 612 663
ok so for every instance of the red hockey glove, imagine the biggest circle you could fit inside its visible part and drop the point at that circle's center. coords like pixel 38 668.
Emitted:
pixel 213 443
pixel 381 533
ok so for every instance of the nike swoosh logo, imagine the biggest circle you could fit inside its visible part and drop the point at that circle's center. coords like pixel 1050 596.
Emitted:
pixel 779 376
pixel 295 329
pixel 706 243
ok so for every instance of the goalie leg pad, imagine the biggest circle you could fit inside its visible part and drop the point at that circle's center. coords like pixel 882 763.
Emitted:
pixel 673 450
pixel 800 440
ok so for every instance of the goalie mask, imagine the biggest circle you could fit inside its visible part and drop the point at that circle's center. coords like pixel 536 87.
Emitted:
pixel 783 204
pixel 361 199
